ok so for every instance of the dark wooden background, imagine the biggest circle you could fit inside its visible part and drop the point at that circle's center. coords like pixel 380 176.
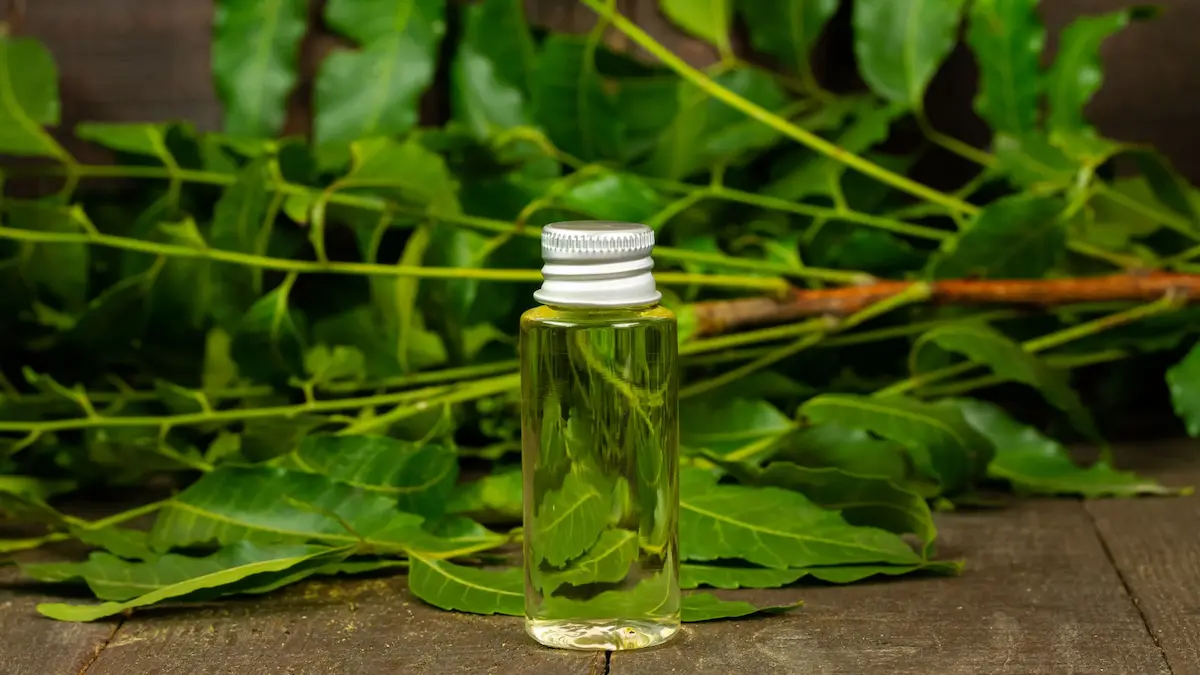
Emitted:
pixel 148 60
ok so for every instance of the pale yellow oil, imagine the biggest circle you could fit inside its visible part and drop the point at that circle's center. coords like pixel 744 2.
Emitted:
pixel 600 458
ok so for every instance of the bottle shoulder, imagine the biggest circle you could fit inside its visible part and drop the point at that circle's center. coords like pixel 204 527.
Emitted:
pixel 579 316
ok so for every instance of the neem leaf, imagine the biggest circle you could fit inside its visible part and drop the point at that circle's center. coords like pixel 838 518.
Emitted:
pixel 862 500
pixel 983 344
pixel 59 271
pixel 240 221
pixel 653 595
pixel 137 139
pixel 1036 464
pixel 788 32
pixel 774 528
pixel 570 104
pixel 29 82
pixel 498 496
pixel 941 444
pixel 374 90
pixel 901 43
pixel 232 504
pixel 120 541
pixel 1016 237
pixel 852 450
pixel 568 520
pixel 419 476
pixel 706 19
pixel 708 607
pixel 255 49
pixel 730 577
pixel 613 195
pixel 732 429
pixel 467 589
pixel 1030 160
pixel 493 70
pixel 1076 74
pixel 243 563
pixel 1184 381
pixel 1007 37
pixel 607 561
pixel 268 344
pixel 1168 186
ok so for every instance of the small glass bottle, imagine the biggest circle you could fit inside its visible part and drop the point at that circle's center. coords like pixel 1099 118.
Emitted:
pixel 600 455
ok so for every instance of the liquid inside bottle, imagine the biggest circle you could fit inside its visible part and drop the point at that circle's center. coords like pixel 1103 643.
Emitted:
pixel 600 462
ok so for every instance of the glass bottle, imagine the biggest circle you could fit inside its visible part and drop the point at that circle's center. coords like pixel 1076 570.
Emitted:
pixel 600 457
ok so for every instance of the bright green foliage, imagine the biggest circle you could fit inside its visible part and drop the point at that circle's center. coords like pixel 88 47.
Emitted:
pixel 313 337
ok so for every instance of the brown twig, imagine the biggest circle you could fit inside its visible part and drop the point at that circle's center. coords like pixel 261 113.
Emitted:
pixel 727 316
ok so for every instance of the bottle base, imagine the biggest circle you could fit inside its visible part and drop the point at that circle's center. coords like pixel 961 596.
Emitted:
pixel 615 634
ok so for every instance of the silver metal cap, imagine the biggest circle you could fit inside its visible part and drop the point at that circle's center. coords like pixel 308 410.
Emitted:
pixel 597 264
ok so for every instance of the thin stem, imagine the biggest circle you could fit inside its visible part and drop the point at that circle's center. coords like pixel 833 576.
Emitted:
pixel 1059 361
pixel 964 150
pixel 754 337
pixel 772 120
pixel 478 389
pixel 1172 220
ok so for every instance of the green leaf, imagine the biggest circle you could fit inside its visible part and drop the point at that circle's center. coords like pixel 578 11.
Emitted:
pixel 568 520
pixel 242 223
pixel 704 131
pixel 818 174
pixel 655 595
pixel 137 139
pixel 1168 186
pixel 708 607
pixel 774 528
pixel 268 343
pixel 1030 160
pixel 341 364
pixel 862 500
pixel 28 98
pixel 1007 37
pixel 787 32
pixel 729 577
pixel 1016 237
pixel 607 561
pixel 706 19
pixel 1039 465
pixel 901 43
pixel 852 450
pixel 467 589
pixel 1184 381
pixel 171 577
pixel 374 91
pixel 232 504
pixel 405 171
pixel 453 537
pixel 497 496
pixel 120 541
pixel 613 195
pixel 1077 74
pixel 986 345
pixel 733 429
pixel 570 103
pixel 844 246
pixel 941 444
pixel 492 76
pixel 59 271
pixel 256 47
pixel 420 477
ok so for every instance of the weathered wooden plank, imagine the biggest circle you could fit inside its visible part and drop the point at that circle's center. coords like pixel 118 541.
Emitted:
pixel 1155 544
pixel 331 627
pixel 1038 596
pixel 32 645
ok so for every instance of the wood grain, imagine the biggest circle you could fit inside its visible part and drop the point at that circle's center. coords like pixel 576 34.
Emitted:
pixel 331 627
pixel 1038 596
pixel 1155 544
pixel 32 645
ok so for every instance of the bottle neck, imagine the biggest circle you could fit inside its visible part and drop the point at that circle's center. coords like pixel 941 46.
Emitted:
pixel 623 283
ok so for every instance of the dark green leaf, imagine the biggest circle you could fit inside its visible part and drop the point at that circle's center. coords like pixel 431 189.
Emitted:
pixel 706 19
pixel 1184 382
pixel 1007 37
pixel 901 43
pixel 120 541
pixel 231 504
pixel 844 246
pixel 374 91
pixel 852 450
pixel 1169 187
pixel 607 561
pixel 570 103
pixel 1036 464
pixel 419 477
pixel 774 528
pixel 1017 237
pixel 718 576
pixel 568 520
pixel 493 71
pixel 986 345
pixel 242 223
pixel 1076 74
pixel 406 171
pixel 29 81
pixel 268 343
pixel 736 430
pixel 173 577
pixel 59 271
pixel 708 607
pixel 467 589
pixel 940 443
pixel 1030 160
pixel 787 32
pixel 255 48
pixel 613 196
pixel 326 366
pixel 497 496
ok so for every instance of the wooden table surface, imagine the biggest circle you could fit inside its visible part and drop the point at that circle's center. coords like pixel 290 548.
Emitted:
pixel 1051 586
